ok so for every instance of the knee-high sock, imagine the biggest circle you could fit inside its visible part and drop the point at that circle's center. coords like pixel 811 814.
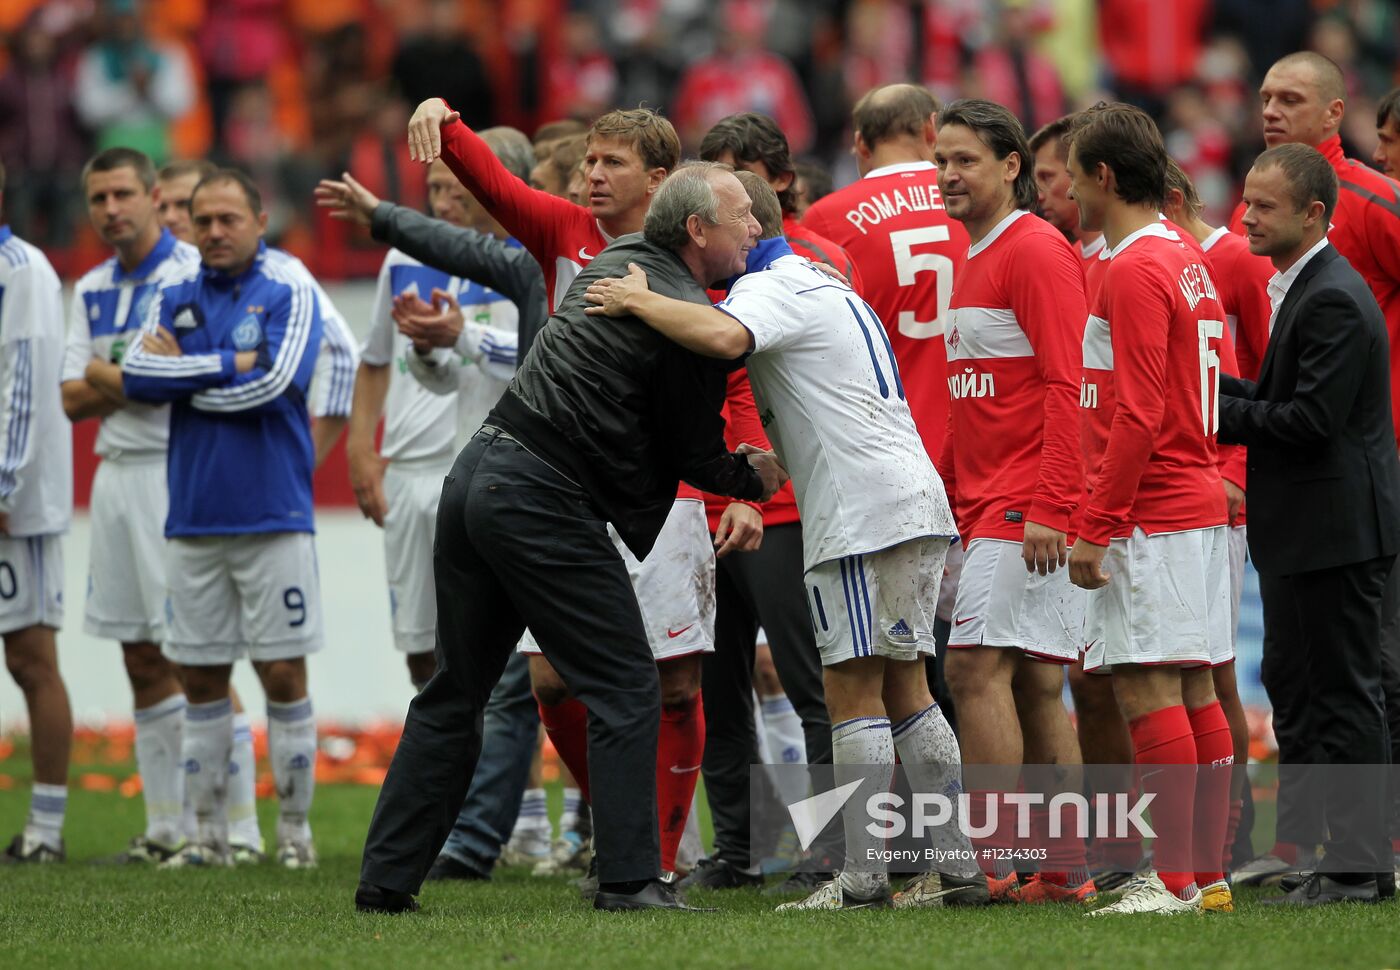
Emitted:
pixel 860 743
pixel 932 761
pixel 158 732
pixel 291 747
pixel 1215 754
pixel 680 745
pixel 567 727
pixel 205 747
pixel 534 813
pixel 243 786
pixel 47 805
pixel 1164 737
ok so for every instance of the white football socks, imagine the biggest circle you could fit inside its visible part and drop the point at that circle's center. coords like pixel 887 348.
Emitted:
pixel 159 729
pixel 569 819
pixel 47 804
pixel 534 813
pixel 291 747
pixel 785 745
pixel 205 750
pixel 242 786
pixel 860 743
pixel 932 761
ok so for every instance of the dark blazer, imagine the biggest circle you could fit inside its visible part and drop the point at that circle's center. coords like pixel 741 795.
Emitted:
pixel 1324 479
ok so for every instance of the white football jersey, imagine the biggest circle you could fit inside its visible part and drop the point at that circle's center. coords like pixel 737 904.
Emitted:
pixel 107 313
pixel 418 422
pixel 36 466
pixel 831 400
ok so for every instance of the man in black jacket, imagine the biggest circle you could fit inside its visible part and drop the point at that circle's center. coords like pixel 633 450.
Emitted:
pixel 598 426
pixel 1324 504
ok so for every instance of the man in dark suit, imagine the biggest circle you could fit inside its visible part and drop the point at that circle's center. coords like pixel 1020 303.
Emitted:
pixel 1324 505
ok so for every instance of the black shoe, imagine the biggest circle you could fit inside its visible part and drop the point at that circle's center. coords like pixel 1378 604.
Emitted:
pixel 1385 884
pixel 965 890
pixel 1322 890
pixel 376 899
pixel 451 868
pixel 719 874
pixel 1290 881
pixel 654 895
pixel 799 882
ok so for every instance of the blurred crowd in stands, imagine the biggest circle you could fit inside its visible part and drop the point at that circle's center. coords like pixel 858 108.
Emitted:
pixel 291 90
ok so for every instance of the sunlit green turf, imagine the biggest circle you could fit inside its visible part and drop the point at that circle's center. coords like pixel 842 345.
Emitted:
pixel 89 916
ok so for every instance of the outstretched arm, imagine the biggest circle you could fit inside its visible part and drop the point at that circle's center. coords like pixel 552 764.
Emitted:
pixel 696 327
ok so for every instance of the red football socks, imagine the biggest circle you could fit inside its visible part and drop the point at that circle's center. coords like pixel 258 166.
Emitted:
pixel 679 747
pixel 1164 737
pixel 1215 754
pixel 567 727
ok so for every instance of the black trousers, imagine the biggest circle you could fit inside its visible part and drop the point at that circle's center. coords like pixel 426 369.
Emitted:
pixel 1390 683
pixel 753 589
pixel 518 544
pixel 1322 670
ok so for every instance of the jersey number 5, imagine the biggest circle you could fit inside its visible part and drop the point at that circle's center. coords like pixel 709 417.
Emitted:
pixel 907 266
pixel 1210 374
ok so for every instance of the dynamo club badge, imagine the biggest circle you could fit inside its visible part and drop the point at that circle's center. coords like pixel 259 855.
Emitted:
pixel 248 334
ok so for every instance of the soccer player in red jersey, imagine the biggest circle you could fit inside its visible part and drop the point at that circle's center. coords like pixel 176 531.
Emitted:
pixel 1152 545
pixel 1011 465
pixel 1052 179
pixel 1241 281
pixel 893 224
pixel 628 156
pixel 1387 154
pixel 755 143
pixel 1303 101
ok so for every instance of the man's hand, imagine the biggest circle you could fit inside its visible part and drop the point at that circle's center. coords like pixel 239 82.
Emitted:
pixel 830 270
pixel 1044 549
pixel 244 361
pixel 367 479
pixel 438 324
pixel 770 471
pixel 348 200
pixel 161 342
pixel 1086 565
pixel 425 129
pixel 1234 501
pixel 609 296
pixel 740 530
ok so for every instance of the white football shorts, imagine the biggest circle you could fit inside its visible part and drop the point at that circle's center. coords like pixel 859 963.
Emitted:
pixel 1000 604
pixel 412 490
pixel 878 604
pixel 31 582
pixel 126 563
pixel 952 574
pixel 675 585
pixel 250 595
pixel 1167 601
pixel 1239 555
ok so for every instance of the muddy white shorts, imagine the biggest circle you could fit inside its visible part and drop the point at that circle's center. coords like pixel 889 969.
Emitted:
pixel 1000 604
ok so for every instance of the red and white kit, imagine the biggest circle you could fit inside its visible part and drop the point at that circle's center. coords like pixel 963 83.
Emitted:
pixel 893 224
pixel 1012 455
pixel 1151 400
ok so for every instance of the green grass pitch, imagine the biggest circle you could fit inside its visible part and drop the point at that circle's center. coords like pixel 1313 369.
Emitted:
pixel 102 918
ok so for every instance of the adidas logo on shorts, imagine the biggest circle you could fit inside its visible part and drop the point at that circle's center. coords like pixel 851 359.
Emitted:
pixel 900 631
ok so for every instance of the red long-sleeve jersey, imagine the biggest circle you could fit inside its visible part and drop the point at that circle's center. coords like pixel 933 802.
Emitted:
pixel 1366 230
pixel 819 249
pixel 893 224
pixel 1094 267
pixel 742 424
pixel 1155 338
pixel 563 237
pixel 1016 328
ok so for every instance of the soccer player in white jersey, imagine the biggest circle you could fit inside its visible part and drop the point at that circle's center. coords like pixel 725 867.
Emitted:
pixel 1012 468
pixel 126 575
pixel 36 505
pixel 398 486
pixel 876 523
